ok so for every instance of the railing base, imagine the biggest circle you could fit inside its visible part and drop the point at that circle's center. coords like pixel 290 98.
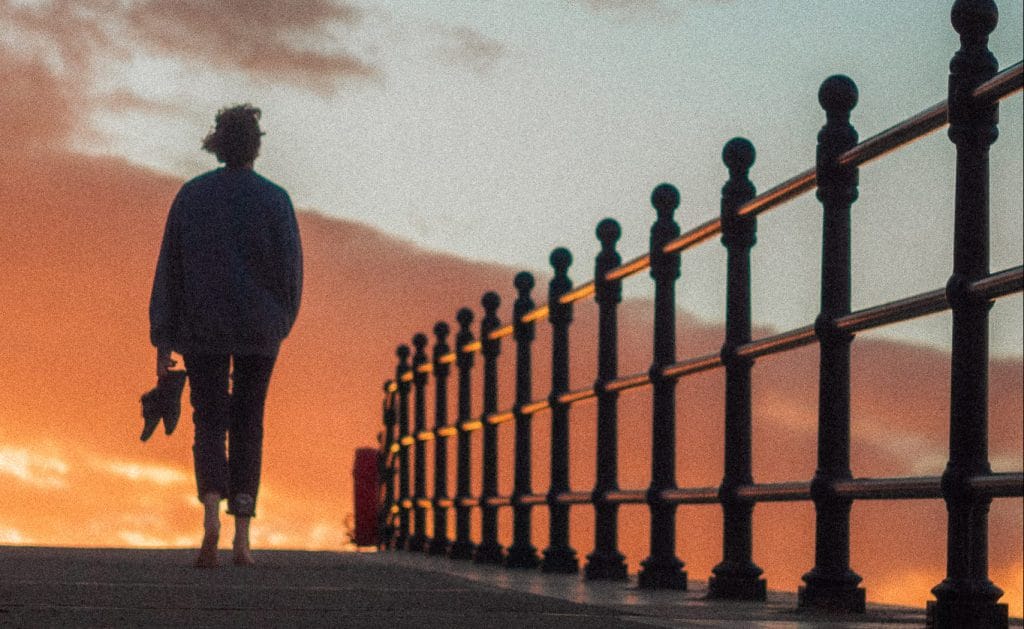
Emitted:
pixel 522 557
pixel 461 550
pixel 489 553
pixel 438 547
pixel 560 561
pixel 416 543
pixel 737 588
pixel 834 600
pixel 974 614
pixel 607 566
pixel 662 574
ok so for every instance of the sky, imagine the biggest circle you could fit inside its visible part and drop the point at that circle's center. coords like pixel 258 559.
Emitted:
pixel 447 146
pixel 499 131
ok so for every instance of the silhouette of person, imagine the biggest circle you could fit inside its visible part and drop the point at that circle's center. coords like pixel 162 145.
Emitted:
pixel 225 295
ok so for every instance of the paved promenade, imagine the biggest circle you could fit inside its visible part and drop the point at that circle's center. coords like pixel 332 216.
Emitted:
pixel 70 587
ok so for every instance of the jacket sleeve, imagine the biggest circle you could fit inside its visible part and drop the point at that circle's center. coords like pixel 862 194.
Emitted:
pixel 165 299
pixel 292 256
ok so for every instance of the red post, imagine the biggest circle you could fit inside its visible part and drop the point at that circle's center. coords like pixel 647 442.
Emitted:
pixel 366 492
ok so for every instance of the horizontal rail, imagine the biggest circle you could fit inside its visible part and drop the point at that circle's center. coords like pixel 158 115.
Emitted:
pixel 580 292
pixel 695 236
pixel 778 342
pixel 689 495
pixel 500 418
pixel 629 268
pixel 692 365
pixel 629 382
pixel 911 129
pixel 775 492
pixel 788 189
pixel 531 500
pixel 999 284
pixel 573 497
pixel 535 407
pixel 889 488
pixel 501 333
pixel 892 312
pixel 1002 85
pixel 1004 485
pixel 626 496
pixel 1008 485
pixel 578 395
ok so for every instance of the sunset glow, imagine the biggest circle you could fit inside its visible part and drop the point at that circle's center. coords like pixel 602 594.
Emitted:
pixel 434 153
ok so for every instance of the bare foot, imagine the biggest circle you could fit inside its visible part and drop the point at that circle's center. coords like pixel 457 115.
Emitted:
pixel 207 557
pixel 243 557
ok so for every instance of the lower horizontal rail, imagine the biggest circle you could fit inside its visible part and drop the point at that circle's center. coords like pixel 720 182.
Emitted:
pixel 889 488
pixel 1001 485
pixel 574 498
pixel 530 500
pixel 690 495
pixel 997 485
pixel 775 492
pixel 626 496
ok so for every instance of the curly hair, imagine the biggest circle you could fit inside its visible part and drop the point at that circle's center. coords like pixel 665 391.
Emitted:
pixel 235 138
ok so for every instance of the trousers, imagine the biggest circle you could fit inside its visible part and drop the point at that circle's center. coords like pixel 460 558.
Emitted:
pixel 227 394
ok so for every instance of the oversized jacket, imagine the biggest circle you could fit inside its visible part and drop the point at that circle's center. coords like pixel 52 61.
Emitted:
pixel 229 276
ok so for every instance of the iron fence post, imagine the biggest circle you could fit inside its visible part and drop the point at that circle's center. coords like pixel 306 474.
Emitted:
pixel 662 569
pixel 388 408
pixel 831 584
pixel 403 452
pixel 559 556
pixel 966 596
pixel 463 547
pixel 439 542
pixel 606 562
pixel 418 540
pixel 522 553
pixel 737 576
pixel 489 550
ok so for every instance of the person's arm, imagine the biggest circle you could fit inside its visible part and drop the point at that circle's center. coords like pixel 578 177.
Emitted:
pixel 165 298
pixel 292 257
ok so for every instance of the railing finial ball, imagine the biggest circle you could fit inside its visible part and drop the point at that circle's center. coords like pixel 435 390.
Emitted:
pixel 441 331
pixel 561 260
pixel 738 154
pixel 402 352
pixel 490 301
pixel 838 94
pixel 608 232
pixel 524 282
pixel 419 341
pixel 464 316
pixel 665 199
pixel 974 18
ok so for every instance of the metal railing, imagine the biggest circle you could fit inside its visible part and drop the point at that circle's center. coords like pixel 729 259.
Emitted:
pixel 965 598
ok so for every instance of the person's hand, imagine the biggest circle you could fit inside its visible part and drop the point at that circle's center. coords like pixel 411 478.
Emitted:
pixel 163 362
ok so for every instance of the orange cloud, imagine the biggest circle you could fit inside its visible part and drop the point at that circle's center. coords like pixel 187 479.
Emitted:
pixel 35 111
